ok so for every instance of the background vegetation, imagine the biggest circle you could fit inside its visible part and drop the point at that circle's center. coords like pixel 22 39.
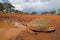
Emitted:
pixel 9 8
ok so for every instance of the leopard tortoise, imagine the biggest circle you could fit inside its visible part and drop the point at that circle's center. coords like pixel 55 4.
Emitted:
pixel 40 24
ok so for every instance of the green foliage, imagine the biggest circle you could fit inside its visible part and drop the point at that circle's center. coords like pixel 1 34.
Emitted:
pixel 1 6
pixel 26 13
pixel 59 11
pixel 5 7
pixel 8 5
pixel 16 11
pixel 52 12
pixel 45 13
pixel 33 13
pixel 20 12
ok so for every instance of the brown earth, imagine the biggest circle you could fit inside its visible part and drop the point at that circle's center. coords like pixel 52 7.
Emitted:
pixel 7 33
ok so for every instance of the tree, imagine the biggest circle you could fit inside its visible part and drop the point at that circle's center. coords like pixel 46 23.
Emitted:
pixel 45 13
pixel 26 13
pixel 16 11
pixel 59 11
pixel 52 12
pixel 1 6
pixel 8 7
pixel 33 13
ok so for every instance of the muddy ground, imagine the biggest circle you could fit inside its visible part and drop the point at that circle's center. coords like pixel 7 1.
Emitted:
pixel 10 33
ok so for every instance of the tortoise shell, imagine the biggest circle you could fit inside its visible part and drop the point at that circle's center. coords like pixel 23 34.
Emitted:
pixel 41 24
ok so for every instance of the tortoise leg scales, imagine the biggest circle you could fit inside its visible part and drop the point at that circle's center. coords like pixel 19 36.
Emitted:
pixel 31 32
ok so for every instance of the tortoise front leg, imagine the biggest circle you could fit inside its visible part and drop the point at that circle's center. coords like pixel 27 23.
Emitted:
pixel 31 32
